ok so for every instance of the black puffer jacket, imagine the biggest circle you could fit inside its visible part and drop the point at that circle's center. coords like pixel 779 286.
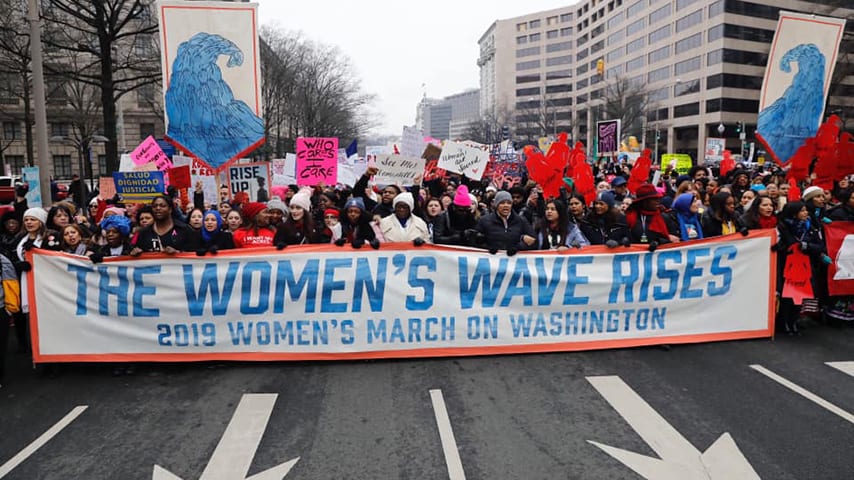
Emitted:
pixel 499 236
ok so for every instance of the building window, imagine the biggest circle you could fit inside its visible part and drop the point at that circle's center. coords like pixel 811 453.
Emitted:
pixel 686 88
pixel 716 8
pixel 659 95
pixel 635 9
pixel 582 54
pixel 614 55
pixel 564 60
pixel 527 78
pixel 529 65
pixel 521 27
pixel 146 130
pixel 658 35
pixel 686 110
pixel 582 69
pixel 597 46
pixel 15 162
pixel 616 20
pixel 659 14
pixel 558 47
pixel 527 52
pixel 558 74
pixel 658 75
pixel 534 24
pixel 8 89
pixel 566 31
pixel 748 33
pixel 522 40
pixel 552 34
pixel 566 17
pixel 740 57
pixel 732 80
pixel 562 102
pixel 659 55
pixel 715 33
pixel 689 20
pixel 581 84
pixel 534 37
pixel 736 105
pixel 614 72
pixel 689 43
pixel 686 66
pixel 59 129
pixel 527 92
pixel 616 37
pixel 551 20
pixel 102 165
pixel 749 9
pixel 634 64
pixel 635 27
pixel 11 130
pixel 581 40
pixel 635 45
pixel 62 166
pixel 566 87
pixel 680 4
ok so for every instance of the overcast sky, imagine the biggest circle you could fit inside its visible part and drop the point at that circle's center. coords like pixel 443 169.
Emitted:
pixel 398 46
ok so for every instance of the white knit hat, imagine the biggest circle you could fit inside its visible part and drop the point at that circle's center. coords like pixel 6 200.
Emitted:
pixel 302 199
pixel 812 192
pixel 38 213
pixel 406 198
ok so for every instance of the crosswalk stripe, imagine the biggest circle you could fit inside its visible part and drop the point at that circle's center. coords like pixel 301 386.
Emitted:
pixel 804 393
pixel 39 442
pixel 846 367
pixel 446 434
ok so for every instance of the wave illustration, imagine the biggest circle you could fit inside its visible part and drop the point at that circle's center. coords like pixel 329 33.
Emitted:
pixel 203 114
pixel 794 117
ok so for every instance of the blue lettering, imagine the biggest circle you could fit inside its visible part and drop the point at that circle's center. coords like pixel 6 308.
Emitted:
pixel 520 274
pixel 482 274
pixel 364 283
pixel 413 304
pixel 624 279
pixel 674 256
pixel 330 285
pixel 692 272
pixel 574 279
pixel 285 280
pixel 81 272
pixel 209 283
pixel 140 290
pixel 119 291
pixel 546 286
pixel 265 270
pixel 724 272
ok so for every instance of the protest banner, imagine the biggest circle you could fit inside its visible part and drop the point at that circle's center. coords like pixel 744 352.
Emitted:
pixel 322 302
pixel 681 162
pixel 608 137
pixel 317 161
pixel 371 152
pixel 714 151
pixel 398 169
pixel 106 188
pixel 200 172
pixel 412 142
pixel 211 69
pixel 139 187
pixel 179 177
pixel 252 178
pixel 150 152
pixel 459 158
pixel 30 178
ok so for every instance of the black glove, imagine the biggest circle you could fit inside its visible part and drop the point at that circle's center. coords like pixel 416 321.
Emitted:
pixel 744 231
pixel 201 252
pixel 455 239
pixel 23 266
pixel 375 244
pixel 511 252
pixel 653 246
pixel 340 242
pixel 612 244
pixel 626 242
pixel 96 257
pixel 493 251
pixel 28 245
pixel 418 242
pixel 358 242
pixel 281 245
pixel 213 249
pixel 575 244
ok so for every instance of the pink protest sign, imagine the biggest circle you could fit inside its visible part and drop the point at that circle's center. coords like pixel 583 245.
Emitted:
pixel 149 151
pixel 317 161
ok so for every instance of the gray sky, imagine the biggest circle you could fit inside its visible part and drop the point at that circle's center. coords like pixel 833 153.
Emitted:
pixel 396 47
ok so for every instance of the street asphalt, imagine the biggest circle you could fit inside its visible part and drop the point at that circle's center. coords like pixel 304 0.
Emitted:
pixel 512 417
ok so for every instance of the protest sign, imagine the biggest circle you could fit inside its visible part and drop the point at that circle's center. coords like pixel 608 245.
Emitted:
pixel 608 136
pixel 681 162
pixel 106 188
pixel 179 177
pixel 371 152
pixel 149 152
pixel 139 187
pixel 398 169
pixel 317 161
pixel 199 172
pixel 30 178
pixel 714 151
pixel 322 302
pixel 126 163
pixel 252 178
pixel 412 142
pixel 459 158
pixel 840 248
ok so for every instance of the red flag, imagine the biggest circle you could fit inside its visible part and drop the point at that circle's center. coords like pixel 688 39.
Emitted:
pixel 840 277
pixel 727 164
pixel 640 171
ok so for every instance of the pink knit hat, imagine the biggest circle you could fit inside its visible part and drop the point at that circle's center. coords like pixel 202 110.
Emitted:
pixel 461 198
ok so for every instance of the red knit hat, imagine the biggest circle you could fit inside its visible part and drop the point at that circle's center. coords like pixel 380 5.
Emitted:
pixel 461 198
pixel 252 209
pixel 331 211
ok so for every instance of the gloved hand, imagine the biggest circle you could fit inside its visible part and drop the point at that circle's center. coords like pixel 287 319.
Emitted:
pixel 375 244
pixel 626 242
pixel 575 244
pixel 97 257
pixel 826 260
pixel 653 246
pixel 826 220
pixel 358 242
pixel 418 242
pixel 201 252
pixel 744 231
pixel 493 251
pixel 511 251
pixel 612 244
pixel 340 242
pixel 281 245
pixel 213 249
pixel 28 245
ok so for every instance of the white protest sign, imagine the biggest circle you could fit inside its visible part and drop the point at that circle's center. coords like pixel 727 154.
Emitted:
pixel 284 169
pixel 845 260
pixel 398 169
pixel 459 158
pixel 412 142
pixel 126 163
pixel 346 175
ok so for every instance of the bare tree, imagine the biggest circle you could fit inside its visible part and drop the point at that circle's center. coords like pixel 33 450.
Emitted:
pixel 16 82
pixel 627 101
pixel 489 128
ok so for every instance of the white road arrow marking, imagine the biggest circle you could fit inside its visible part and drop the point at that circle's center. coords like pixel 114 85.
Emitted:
pixel 39 442
pixel 236 449
pixel 804 393
pixel 846 367
pixel 679 459
pixel 446 434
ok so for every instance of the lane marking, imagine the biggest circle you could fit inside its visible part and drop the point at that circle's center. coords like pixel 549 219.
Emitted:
pixel 446 434
pixel 804 393
pixel 845 367
pixel 43 439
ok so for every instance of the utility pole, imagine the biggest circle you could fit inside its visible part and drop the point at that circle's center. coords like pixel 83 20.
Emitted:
pixel 43 153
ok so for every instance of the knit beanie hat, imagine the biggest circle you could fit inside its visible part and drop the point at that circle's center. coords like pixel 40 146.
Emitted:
pixel 302 199
pixel 119 222
pixel 607 197
pixel 37 213
pixel 809 193
pixel 502 196
pixel 331 212
pixel 404 197
pixel 461 198
pixel 276 203
pixel 355 202
pixel 252 209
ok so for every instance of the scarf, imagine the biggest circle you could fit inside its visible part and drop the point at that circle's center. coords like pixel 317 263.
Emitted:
pixel 655 221
pixel 686 220
pixel 798 228
pixel 767 222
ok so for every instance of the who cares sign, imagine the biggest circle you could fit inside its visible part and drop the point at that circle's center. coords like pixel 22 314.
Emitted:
pixel 317 161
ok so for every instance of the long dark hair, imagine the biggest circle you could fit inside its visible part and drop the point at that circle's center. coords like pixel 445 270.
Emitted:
pixel 583 201
pixel 562 218
pixel 718 206
pixel 752 213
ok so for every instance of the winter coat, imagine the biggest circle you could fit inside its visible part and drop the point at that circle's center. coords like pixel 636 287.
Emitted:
pixel 505 236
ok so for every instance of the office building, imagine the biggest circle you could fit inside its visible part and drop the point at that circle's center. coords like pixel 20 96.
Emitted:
pixel 449 117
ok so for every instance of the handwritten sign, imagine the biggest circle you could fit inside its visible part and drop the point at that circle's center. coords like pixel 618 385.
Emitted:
pixel 317 161
pixel 106 188
pixel 412 142
pixel 179 177
pixel 459 158
pixel 139 186
pixel 398 169
pixel 608 136
pixel 252 178
pixel 150 152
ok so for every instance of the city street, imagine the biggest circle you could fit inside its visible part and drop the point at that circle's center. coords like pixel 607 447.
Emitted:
pixel 502 417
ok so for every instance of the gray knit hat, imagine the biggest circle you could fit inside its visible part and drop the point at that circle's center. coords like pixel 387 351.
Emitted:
pixel 501 196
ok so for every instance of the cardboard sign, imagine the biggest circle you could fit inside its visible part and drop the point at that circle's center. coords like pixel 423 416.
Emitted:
pixel 106 188
pixel 150 152
pixel 179 177
pixel 459 158
pixel 317 161
pixel 139 186
pixel 252 178
pixel 412 142
pixel 398 169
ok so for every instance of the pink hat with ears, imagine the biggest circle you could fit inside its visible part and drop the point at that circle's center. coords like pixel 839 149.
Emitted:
pixel 279 191
pixel 461 198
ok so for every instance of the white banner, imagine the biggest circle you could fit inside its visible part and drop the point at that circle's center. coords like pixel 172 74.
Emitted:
pixel 398 169
pixel 321 302
pixel 459 158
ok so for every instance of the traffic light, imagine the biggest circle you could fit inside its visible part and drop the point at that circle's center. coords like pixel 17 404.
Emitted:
pixel 505 132
pixel 738 127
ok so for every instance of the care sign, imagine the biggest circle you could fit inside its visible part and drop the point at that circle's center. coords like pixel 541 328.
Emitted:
pixel 319 302
pixel 149 151
pixel 317 161
pixel 459 158
pixel 252 178
pixel 398 170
